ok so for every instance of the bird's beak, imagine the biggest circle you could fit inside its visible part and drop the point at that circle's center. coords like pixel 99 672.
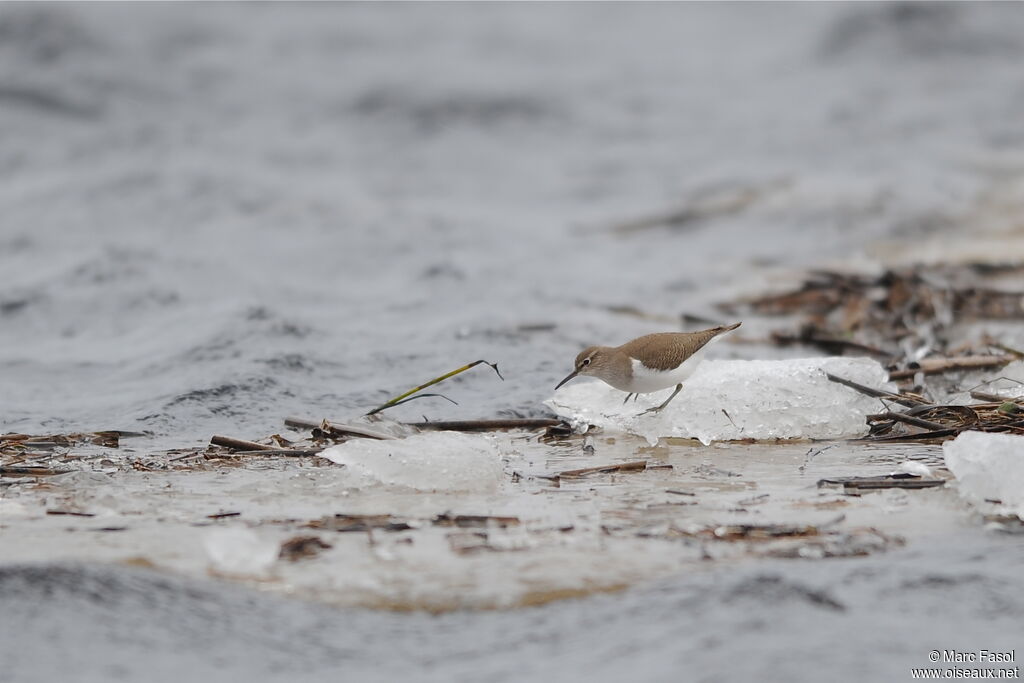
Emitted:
pixel 571 375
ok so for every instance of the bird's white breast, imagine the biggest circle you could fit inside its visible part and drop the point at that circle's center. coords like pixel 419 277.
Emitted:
pixel 647 379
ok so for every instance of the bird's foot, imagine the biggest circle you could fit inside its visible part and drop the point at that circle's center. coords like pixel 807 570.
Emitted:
pixel 657 409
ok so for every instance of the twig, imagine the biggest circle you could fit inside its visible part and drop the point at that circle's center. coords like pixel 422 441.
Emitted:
pixel 884 482
pixel 907 419
pixel 265 451
pixel 335 428
pixel 920 437
pixel 238 444
pixel 487 425
pixel 31 471
pixel 896 484
pixel 603 469
pixel 406 396
pixel 876 393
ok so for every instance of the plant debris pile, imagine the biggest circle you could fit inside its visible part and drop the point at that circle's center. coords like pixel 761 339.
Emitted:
pixel 903 315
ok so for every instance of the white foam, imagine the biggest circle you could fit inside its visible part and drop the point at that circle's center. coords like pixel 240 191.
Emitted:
pixel 432 461
pixel 988 467
pixel 739 399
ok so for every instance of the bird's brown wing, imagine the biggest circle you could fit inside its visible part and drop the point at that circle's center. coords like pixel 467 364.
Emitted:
pixel 667 350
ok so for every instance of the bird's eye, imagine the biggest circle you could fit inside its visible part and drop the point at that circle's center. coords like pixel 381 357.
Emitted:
pixel 586 361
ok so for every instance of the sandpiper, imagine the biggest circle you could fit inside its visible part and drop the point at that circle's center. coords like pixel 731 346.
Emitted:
pixel 649 363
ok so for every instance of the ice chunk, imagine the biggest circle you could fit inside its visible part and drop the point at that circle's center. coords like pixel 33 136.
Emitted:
pixel 739 399
pixel 988 467
pixel 1007 382
pixel 432 461
pixel 239 551
pixel 918 469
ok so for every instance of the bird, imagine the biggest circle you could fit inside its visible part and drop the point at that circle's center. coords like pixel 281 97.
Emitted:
pixel 649 363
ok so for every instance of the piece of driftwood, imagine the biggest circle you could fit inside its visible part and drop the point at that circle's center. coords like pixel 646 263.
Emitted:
pixel 336 429
pixel 238 444
pixel 107 438
pixel 605 469
pixel 31 471
pixel 890 481
pixel 291 452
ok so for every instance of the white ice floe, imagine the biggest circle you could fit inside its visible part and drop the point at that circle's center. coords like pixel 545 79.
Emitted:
pixel 432 461
pixel 988 467
pixel 240 552
pixel 739 399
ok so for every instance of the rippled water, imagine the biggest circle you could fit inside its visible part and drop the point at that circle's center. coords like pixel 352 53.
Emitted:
pixel 216 217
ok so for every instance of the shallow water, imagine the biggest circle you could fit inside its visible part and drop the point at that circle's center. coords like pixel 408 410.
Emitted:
pixel 216 216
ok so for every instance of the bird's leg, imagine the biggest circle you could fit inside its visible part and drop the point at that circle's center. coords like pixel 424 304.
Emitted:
pixel 624 402
pixel 658 409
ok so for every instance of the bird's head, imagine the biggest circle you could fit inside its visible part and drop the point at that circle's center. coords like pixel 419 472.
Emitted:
pixel 592 360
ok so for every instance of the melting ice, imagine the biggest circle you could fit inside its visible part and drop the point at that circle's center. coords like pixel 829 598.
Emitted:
pixel 433 461
pixel 739 399
pixel 988 467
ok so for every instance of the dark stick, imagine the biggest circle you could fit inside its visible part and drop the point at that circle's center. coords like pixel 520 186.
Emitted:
pixel 624 467
pixel 265 451
pixel 238 444
pixel 487 425
pixel 876 393
pixel 336 428
pixel 907 419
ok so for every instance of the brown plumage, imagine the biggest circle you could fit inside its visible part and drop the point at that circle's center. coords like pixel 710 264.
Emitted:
pixel 649 363
pixel 667 350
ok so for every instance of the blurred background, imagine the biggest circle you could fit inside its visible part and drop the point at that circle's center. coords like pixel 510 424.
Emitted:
pixel 213 216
